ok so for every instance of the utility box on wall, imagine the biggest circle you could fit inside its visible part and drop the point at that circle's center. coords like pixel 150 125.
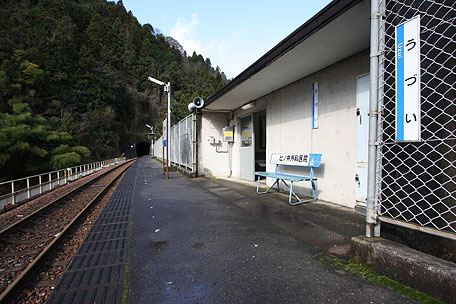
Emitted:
pixel 228 134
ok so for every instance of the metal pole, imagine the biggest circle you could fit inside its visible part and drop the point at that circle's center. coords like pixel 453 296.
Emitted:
pixel 28 188
pixel 167 146
pixel 163 157
pixel 168 152
pixel 13 195
pixel 372 224
pixel 194 143
pixel 179 144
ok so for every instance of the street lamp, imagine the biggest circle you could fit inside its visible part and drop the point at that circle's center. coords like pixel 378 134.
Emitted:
pixel 151 136
pixel 133 146
pixel 167 88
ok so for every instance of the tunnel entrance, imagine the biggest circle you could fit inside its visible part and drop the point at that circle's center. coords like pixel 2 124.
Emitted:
pixel 142 148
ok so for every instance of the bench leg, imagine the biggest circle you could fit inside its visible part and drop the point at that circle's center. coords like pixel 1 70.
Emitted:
pixel 294 194
pixel 268 190
pixel 313 189
pixel 299 201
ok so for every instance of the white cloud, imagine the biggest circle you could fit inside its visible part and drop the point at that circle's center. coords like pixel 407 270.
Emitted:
pixel 184 32
pixel 218 50
pixel 221 52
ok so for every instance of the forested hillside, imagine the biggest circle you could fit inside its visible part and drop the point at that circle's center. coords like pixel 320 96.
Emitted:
pixel 73 82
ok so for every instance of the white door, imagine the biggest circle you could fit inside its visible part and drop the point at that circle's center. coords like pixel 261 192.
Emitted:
pixel 362 122
pixel 247 149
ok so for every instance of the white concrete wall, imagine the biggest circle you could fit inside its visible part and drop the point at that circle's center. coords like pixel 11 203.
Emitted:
pixel 211 162
pixel 289 129
pixel 289 126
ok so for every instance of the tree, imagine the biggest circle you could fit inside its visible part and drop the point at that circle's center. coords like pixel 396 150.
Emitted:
pixel 74 73
pixel 28 143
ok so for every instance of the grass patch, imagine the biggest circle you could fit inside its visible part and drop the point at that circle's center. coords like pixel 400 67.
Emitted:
pixel 365 271
pixel 125 285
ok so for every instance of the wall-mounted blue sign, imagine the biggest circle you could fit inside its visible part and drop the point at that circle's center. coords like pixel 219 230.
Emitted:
pixel 408 81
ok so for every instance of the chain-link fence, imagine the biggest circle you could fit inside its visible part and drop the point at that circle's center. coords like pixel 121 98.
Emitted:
pixel 417 180
pixel 182 140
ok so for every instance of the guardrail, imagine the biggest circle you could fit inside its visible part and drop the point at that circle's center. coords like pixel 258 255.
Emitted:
pixel 20 190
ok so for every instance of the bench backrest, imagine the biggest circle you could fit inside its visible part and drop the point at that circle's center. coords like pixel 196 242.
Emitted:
pixel 296 159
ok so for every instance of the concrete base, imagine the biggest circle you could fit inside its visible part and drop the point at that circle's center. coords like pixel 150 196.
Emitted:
pixel 187 172
pixel 426 273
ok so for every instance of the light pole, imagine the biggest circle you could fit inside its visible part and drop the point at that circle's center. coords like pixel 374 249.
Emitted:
pixel 167 88
pixel 151 136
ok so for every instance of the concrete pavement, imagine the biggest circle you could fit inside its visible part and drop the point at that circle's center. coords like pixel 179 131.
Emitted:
pixel 214 241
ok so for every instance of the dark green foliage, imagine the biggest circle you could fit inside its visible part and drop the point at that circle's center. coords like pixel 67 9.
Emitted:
pixel 73 82
pixel 30 143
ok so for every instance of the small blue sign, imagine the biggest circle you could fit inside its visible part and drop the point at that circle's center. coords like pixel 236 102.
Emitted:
pixel 164 143
pixel 315 105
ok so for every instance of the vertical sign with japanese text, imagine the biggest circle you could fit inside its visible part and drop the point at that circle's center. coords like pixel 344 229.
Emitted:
pixel 408 80
pixel 315 105
pixel 165 129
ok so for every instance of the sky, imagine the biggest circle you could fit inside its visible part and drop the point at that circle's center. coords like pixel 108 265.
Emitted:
pixel 232 34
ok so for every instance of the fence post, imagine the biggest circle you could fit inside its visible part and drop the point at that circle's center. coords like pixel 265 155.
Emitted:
pixel 41 185
pixel 13 196
pixel 50 181
pixel 28 188
pixel 178 152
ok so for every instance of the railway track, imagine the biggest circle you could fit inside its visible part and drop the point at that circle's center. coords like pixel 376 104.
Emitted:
pixel 26 242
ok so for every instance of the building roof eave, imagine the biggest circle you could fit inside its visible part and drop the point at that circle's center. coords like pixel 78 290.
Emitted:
pixel 338 30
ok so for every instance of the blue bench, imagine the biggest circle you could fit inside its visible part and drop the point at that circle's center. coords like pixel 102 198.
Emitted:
pixel 291 159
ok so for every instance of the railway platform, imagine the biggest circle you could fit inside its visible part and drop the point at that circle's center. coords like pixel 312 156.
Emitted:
pixel 207 240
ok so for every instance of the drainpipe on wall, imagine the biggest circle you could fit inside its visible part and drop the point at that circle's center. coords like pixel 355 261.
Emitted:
pixel 230 147
pixel 372 224
pixel 194 143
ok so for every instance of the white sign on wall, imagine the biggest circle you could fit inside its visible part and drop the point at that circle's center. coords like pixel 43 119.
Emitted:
pixel 408 81
pixel 315 105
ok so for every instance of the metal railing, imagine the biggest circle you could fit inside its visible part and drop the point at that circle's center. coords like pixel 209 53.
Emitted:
pixel 416 181
pixel 23 189
pixel 182 144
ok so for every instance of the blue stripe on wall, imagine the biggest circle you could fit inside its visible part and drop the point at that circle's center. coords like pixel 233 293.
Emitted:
pixel 400 84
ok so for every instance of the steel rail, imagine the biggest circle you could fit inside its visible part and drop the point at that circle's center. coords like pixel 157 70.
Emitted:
pixel 19 279
pixel 36 212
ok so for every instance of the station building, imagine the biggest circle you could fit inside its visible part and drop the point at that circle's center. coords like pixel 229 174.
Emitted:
pixel 308 94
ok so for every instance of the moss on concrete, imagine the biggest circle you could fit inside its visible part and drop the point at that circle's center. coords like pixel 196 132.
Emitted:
pixel 365 271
